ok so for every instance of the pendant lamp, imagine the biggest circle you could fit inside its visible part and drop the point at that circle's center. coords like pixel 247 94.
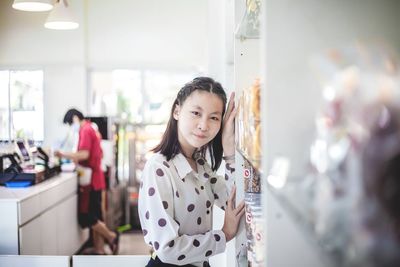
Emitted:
pixel 33 5
pixel 61 17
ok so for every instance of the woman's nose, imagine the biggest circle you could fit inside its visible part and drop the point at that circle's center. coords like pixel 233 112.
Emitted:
pixel 203 125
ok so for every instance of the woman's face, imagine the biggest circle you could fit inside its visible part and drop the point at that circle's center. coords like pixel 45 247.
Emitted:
pixel 199 120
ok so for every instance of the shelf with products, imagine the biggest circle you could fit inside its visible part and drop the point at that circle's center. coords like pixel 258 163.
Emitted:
pixel 254 219
pixel 140 139
pixel 249 148
pixel 249 124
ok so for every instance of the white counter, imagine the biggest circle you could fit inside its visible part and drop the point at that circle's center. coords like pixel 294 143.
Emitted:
pixel 41 219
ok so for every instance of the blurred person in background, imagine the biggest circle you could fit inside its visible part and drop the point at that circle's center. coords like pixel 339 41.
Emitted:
pixel 88 155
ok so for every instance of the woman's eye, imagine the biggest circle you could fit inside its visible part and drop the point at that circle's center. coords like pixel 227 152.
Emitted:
pixel 215 118
pixel 196 113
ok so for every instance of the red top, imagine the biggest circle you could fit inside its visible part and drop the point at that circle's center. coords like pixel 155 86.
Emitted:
pixel 89 141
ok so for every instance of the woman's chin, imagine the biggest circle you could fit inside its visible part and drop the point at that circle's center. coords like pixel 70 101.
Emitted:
pixel 197 144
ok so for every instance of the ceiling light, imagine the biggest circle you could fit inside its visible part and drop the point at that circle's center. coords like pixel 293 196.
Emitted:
pixel 61 17
pixel 33 5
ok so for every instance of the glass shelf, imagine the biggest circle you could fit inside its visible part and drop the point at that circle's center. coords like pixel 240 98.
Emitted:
pixel 336 227
pixel 249 27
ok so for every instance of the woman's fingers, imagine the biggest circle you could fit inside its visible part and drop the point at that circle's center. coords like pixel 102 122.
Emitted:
pixel 231 106
pixel 232 198
pixel 240 214
pixel 239 208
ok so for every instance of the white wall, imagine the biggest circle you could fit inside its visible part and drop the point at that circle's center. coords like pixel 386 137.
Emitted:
pixel 295 31
pixel 151 33
pixel 123 33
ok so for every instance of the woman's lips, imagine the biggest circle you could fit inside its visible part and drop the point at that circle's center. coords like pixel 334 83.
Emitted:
pixel 201 136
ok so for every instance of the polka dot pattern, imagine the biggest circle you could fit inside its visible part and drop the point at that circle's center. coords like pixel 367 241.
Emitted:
pixel 165 204
pixel 151 191
pixel 190 208
pixel 159 172
pixel 196 243
pixel 217 237
pixel 188 194
pixel 162 222
pixel 181 257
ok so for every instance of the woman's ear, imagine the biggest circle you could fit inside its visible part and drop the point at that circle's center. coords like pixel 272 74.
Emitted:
pixel 176 111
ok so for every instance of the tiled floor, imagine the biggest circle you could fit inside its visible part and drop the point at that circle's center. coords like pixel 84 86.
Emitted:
pixel 133 244
pixel 130 243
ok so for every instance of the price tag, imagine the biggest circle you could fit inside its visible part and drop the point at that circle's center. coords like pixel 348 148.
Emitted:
pixel 246 173
pixel 249 217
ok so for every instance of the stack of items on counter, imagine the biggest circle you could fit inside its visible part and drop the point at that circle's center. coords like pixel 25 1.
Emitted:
pixel 356 157
pixel 249 144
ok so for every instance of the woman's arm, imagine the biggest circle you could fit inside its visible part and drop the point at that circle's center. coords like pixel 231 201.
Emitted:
pixel 161 231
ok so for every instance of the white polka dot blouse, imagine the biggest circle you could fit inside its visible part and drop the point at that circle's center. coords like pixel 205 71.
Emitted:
pixel 175 208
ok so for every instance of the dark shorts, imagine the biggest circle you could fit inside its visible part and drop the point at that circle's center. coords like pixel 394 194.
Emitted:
pixel 158 263
pixel 89 207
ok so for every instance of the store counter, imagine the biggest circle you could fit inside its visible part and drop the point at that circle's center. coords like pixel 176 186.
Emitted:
pixel 41 219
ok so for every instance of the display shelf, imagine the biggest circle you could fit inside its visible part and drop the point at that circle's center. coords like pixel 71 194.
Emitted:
pixel 249 27
pixel 297 205
pixel 255 163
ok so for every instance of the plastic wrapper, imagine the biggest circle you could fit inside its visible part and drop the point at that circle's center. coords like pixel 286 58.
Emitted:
pixel 254 224
pixel 249 125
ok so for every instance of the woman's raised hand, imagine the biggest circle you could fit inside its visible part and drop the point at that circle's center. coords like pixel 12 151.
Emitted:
pixel 228 127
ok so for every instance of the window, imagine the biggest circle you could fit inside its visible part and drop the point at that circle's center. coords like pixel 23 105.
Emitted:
pixel 137 96
pixel 141 101
pixel 21 105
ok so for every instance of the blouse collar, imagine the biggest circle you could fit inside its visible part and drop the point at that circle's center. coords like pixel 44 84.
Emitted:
pixel 183 168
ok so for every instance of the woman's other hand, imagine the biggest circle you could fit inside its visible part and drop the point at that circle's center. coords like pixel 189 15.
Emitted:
pixel 232 216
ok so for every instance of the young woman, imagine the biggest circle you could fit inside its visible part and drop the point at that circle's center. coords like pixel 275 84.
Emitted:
pixel 180 187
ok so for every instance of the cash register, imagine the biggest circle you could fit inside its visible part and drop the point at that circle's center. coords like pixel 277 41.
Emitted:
pixel 24 169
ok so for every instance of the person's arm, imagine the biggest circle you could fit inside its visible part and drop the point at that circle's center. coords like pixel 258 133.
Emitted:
pixel 161 231
pixel 74 156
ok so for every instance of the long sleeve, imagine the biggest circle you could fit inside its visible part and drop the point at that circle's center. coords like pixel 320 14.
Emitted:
pixel 159 197
pixel 222 185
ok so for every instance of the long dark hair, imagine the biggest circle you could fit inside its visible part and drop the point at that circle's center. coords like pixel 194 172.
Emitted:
pixel 169 145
